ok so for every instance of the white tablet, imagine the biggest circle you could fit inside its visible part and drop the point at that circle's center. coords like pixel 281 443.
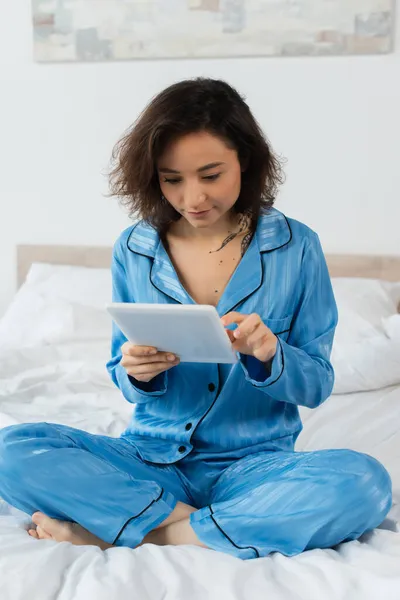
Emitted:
pixel 193 332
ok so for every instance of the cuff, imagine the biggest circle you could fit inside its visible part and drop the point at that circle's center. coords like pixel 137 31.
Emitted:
pixel 135 391
pixel 136 529
pixel 209 531
pixel 158 385
pixel 261 375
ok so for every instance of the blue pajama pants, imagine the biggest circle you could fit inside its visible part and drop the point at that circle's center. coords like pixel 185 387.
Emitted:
pixel 265 502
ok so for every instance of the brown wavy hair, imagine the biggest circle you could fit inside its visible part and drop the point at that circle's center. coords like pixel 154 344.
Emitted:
pixel 187 107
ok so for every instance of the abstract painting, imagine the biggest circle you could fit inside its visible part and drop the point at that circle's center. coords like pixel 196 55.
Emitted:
pixel 105 30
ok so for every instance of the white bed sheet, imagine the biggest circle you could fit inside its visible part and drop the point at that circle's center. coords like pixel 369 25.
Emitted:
pixel 67 383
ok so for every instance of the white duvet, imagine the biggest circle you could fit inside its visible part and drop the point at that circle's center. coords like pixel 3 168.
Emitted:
pixel 67 383
pixel 53 347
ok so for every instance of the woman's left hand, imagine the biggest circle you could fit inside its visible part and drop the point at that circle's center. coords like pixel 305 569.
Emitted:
pixel 252 336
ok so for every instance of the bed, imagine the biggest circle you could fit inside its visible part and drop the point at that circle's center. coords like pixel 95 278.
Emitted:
pixel 54 342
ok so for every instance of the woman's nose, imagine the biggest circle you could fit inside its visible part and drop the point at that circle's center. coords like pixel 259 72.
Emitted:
pixel 194 198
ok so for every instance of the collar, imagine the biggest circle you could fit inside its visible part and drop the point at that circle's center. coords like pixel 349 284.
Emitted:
pixel 273 232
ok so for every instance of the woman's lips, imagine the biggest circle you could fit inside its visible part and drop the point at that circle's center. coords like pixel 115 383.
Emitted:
pixel 198 215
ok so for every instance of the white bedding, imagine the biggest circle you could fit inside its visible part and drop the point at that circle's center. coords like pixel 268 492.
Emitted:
pixel 53 348
pixel 67 383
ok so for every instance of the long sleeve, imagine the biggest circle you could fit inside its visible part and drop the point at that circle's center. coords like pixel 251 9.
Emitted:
pixel 300 372
pixel 133 390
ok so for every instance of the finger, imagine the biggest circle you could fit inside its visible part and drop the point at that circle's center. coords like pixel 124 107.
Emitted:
pixel 248 326
pixel 232 318
pixel 257 339
pixel 230 335
pixel 129 361
pixel 154 369
pixel 149 376
pixel 132 350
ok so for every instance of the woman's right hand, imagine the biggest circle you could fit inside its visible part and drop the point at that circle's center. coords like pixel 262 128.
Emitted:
pixel 144 362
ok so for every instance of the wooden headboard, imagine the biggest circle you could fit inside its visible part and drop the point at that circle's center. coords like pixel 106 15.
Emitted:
pixel 80 256
pixel 340 265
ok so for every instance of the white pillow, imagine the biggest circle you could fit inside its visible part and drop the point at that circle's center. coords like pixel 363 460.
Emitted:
pixel 392 326
pixel 81 285
pixel 366 350
pixel 363 305
pixel 58 303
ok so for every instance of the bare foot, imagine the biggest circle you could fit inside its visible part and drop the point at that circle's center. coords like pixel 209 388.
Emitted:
pixel 64 531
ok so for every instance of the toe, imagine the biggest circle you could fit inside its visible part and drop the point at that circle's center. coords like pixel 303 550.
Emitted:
pixel 33 533
pixel 45 522
pixel 42 533
pixel 38 517
pixel 48 528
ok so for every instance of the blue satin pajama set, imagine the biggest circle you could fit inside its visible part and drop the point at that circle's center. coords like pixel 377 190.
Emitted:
pixel 218 437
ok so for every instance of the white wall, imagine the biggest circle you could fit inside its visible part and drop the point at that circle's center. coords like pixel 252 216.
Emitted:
pixel 336 120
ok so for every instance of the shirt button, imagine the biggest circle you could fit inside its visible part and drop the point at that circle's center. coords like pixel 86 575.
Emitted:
pixel 182 449
pixel 211 387
pixel 188 426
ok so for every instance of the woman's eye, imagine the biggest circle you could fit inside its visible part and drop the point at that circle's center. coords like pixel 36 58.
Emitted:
pixel 172 180
pixel 212 177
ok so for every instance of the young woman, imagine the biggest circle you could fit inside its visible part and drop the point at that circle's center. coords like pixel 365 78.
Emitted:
pixel 208 458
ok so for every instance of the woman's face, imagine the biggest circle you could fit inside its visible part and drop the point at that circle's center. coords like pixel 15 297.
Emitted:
pixel 200 176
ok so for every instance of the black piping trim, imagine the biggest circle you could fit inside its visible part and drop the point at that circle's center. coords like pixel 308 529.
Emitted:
pixel 271 250
pixel 248 295
pixel 240 301
pixel 158 289
pixel 228 538
pixel 210 407
pixel 281 332
pixel 283 368
pixel 136 516
pixel 286 243
pixel 262 276
pixel 194 430
pixel 129 239
pixel 152 265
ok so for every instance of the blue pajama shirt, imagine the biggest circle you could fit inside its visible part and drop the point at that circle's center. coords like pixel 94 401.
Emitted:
pixel 218 437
